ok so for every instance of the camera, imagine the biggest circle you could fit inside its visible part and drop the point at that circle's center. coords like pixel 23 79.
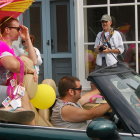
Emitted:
pixel 102 47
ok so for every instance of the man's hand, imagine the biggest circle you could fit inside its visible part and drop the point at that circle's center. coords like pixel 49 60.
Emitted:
pixel 24 32
pixel 107 50
pixel 97 50
pixel 35 76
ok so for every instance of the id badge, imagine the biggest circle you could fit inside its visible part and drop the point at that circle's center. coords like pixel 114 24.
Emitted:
pixel 13 82
pixel 14 104
pixel 21 90
pixel 15 91
pixel 6 102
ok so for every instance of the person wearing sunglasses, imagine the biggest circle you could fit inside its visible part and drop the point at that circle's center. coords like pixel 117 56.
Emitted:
pixel 11 66
pixel 67 112
pixel 108 44
pixel 24 36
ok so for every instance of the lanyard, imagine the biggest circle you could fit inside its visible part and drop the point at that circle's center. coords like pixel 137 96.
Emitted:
pixel 10 89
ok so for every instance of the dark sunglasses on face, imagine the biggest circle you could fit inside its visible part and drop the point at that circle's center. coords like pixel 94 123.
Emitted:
pixel 103 21
pixel 22 41
pixel 80 88
pixel 17 28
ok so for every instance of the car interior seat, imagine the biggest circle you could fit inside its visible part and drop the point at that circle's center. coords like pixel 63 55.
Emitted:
pixel 45 113
pixel 28 78
pixel 31 88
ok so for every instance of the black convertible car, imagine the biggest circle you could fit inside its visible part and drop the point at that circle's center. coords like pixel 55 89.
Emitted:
pixel 120 87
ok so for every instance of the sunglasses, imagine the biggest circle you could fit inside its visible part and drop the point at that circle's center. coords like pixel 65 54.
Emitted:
pixel 17 28
pixel 80 88
pixel 103 21
pixel 22 41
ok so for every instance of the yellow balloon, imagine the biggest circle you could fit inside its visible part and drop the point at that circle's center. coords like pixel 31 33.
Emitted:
pixel 44 97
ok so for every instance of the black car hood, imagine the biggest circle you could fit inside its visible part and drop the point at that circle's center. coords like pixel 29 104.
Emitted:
pixel 121 68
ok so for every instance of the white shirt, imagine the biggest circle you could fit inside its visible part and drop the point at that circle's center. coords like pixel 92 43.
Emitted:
pixel 116 43
pixel 20 51
pixel 39 60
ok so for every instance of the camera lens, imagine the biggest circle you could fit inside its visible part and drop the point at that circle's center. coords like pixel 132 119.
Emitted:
pixel 102 48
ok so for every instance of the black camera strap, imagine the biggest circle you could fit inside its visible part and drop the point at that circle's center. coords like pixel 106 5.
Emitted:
pixel 109 45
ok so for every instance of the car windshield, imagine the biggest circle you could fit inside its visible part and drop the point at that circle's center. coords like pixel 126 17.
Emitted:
pixel 128 85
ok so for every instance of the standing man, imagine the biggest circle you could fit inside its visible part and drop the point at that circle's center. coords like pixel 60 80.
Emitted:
pixel 67 112
pixel 108 44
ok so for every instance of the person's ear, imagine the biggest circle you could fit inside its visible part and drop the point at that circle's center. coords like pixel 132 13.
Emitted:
pixel 110 23
pixel 71 92
pixel 7 30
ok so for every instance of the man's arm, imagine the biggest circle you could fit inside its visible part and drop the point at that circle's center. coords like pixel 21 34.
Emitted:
pixel 97 49
pixel 26 37
pixel 85 98
pixel 108 50
pixel 12 64
pixel 74 114
pixel 119 48
pixel 38 55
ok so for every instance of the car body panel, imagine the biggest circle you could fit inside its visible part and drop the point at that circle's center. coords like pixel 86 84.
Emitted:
pixel 23 132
